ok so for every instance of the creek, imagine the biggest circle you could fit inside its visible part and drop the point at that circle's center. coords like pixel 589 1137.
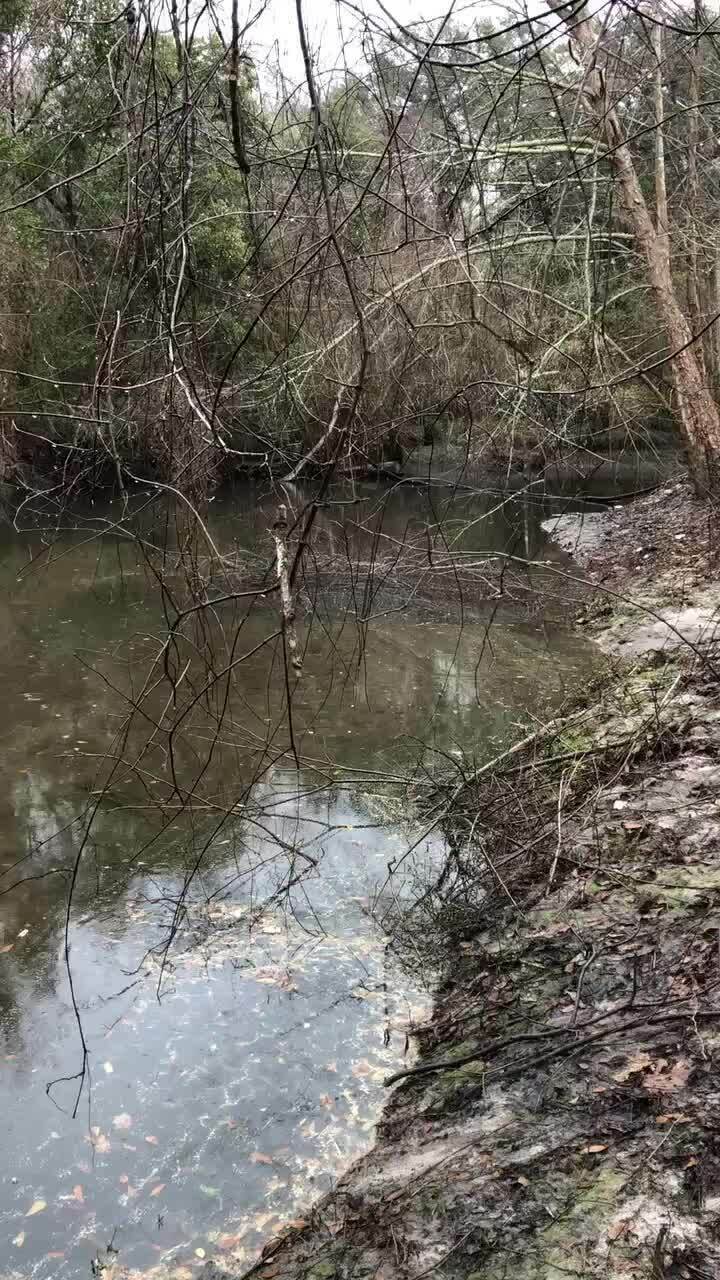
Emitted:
pixel 234 1076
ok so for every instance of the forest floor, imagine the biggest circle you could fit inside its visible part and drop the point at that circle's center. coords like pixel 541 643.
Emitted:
pixel 562 1118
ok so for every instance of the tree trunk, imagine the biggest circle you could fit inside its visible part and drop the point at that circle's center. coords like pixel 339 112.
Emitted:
pixel 662 221
pixel 698 413
pixel 693 204
pixel 715 310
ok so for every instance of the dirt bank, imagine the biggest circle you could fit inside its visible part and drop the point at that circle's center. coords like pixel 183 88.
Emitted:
pixel 656 565
pixel 563 1117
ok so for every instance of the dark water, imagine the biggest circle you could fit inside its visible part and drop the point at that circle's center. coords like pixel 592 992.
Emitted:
pixel 231 1078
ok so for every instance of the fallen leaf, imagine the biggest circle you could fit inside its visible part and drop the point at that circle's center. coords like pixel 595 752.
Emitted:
pixel 227 1241
pixel 297 1224
pixel 199 1253
pixel 633 826
pixel 150 1137
pixel 19 1240
pixel 638 1062
pixel 37 1206
pixel 160 1187
pixel 671 1117
pixel 123 1121
pixel 660 1081
pixel 361 994
pixel 617 1229
pixel 257 1157
pixel 523 1181
pixel 274 977
pixel 100 1141
pixel 8 946
pixel 595 1148
pixel 325 1100
pixel 23 933
pixel 77 1193
pixel 262 1220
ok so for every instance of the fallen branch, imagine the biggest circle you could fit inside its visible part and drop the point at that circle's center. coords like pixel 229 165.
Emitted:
pixel 307 458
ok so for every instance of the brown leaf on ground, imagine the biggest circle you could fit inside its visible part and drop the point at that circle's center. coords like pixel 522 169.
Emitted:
pixel 638 1062
pixel 258 1157
pixel 661 1081
pixel 156 1190
pixel 595 1148
pixel 617 1229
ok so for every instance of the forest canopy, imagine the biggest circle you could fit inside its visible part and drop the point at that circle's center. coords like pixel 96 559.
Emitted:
pixel 496 232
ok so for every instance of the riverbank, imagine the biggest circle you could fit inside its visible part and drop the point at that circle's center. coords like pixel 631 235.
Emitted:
pixel 562 1117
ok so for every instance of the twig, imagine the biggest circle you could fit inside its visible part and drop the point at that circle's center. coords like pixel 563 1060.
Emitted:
pixel 445 1256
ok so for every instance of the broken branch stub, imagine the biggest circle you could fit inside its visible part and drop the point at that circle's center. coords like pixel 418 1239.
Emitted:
pixel 287 603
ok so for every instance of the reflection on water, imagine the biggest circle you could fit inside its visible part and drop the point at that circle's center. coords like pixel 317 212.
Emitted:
pixel 215 1112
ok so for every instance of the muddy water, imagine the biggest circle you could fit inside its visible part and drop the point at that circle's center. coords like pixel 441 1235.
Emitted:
pixel 230 1079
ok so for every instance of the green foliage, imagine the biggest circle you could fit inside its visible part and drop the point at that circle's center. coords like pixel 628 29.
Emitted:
pixel 220 241
pixel 459 188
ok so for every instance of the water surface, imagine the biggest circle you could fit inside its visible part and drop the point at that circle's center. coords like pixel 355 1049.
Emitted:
pixel 232 1077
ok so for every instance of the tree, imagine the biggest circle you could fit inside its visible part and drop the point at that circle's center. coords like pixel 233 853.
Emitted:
pixel 698 412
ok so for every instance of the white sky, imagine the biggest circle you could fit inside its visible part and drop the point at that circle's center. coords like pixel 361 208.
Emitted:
pixel 332 24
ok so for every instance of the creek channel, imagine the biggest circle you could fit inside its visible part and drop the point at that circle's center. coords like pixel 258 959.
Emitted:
pixel 232 1077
